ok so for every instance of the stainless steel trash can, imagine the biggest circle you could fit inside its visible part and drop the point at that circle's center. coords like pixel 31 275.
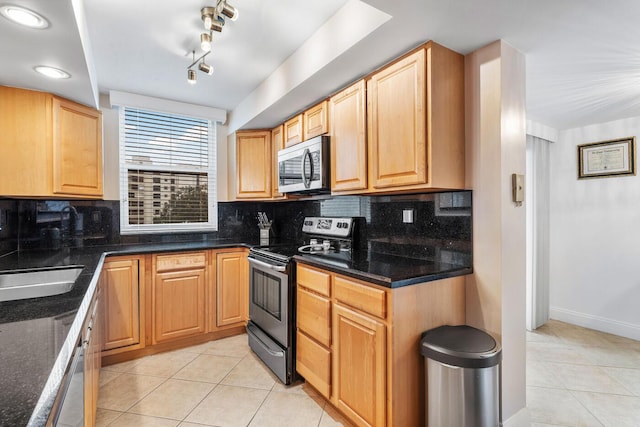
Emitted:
pixel 462 368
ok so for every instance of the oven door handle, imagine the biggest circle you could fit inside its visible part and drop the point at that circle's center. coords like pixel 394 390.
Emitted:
pixel 278 268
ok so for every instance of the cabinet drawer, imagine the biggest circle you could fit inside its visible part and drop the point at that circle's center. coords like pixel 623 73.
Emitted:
pixel 315 280
pixel 314 316
pixel 180 261
pixel 365 298
pixel 313 362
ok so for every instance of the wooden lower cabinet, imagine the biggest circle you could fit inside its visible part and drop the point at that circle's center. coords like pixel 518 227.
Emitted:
pixel 159 302
pixel 178 300
pixel 370 366
pixel 232 290
pixel 123 301
pixel 359 356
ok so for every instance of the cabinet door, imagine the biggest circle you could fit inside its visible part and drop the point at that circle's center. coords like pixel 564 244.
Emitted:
pixel 293 130
pixel 348 139
pixel 25 122
pixel 359 366
pixel 121 287
pixel 396 99
pixel 77 149
pixel 277 144
pixel 178 304
pixel 315 121
pixel 232 288
pixel 254 163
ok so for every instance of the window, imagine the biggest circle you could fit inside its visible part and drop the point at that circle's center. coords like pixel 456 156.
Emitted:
pixel 158 147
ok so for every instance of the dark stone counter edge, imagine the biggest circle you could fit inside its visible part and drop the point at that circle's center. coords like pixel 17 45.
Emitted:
pixel 382 280
pixel 47 399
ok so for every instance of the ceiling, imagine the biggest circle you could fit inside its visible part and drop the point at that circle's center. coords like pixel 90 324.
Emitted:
pixel 280 56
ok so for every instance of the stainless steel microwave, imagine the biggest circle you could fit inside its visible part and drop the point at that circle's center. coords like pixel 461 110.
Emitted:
pixel 304 167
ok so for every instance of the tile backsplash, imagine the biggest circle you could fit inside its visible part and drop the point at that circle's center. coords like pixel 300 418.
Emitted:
pixel 440 226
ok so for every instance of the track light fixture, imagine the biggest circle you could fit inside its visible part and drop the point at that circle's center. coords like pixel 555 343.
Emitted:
pixel 213 19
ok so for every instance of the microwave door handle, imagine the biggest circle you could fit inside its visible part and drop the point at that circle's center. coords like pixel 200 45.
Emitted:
pixel 306 180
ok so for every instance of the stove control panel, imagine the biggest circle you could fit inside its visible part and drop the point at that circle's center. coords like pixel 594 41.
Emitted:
pixel 337 227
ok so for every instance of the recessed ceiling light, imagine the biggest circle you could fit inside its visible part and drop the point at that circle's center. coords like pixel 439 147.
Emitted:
pixel 54 73
pixel 23 16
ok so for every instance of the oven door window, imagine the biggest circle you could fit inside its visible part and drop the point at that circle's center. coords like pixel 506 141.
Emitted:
pixel 266 292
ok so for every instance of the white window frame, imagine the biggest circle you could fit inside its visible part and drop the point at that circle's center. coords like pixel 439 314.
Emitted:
pixel 212 193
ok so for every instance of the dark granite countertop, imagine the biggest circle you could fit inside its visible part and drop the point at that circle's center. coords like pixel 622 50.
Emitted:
pixel 38 335
pixel 391 271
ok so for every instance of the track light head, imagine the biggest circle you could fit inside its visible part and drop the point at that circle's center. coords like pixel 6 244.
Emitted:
pixel 229 11
pixel 207 14
pixel 205 42
pixel 205 68
pixel 191 76
pixel 216 25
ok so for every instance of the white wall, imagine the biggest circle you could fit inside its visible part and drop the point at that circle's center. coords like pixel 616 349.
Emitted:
pixel 495 149
pixel 595 237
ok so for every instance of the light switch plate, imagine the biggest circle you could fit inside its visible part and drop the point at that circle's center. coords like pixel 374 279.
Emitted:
pixel 517 182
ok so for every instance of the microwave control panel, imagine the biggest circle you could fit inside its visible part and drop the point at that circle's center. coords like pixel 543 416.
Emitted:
pixel 336 227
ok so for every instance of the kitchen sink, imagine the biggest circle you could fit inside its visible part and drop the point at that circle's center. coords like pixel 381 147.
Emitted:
pixel 38 283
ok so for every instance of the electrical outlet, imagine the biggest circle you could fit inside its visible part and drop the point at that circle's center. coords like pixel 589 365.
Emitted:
pixel 407 216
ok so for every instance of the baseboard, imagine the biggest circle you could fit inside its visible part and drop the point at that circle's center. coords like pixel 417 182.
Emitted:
pixel 616 327
pixel 522 418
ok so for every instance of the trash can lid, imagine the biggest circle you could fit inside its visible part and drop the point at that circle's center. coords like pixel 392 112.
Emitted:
pixel 463 346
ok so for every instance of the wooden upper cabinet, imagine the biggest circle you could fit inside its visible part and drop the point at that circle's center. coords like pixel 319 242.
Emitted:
pixel 254 164
pixel 293 130
pixel 49 146
pixel 415 112
pixel 77 149
pixel 277 144
pixel 315 121
pixel 348 139
pixel 397 125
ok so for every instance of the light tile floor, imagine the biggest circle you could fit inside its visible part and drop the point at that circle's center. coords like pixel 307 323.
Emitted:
pixel 219 383
pixel 575 377
pixel 582 377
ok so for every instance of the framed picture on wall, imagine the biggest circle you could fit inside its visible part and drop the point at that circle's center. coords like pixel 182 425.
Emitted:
pixel 607 158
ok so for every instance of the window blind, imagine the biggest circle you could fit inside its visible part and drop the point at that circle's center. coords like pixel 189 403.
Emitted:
pixel 167 166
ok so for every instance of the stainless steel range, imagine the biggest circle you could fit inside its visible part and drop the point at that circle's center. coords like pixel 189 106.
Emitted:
pixel 272 287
